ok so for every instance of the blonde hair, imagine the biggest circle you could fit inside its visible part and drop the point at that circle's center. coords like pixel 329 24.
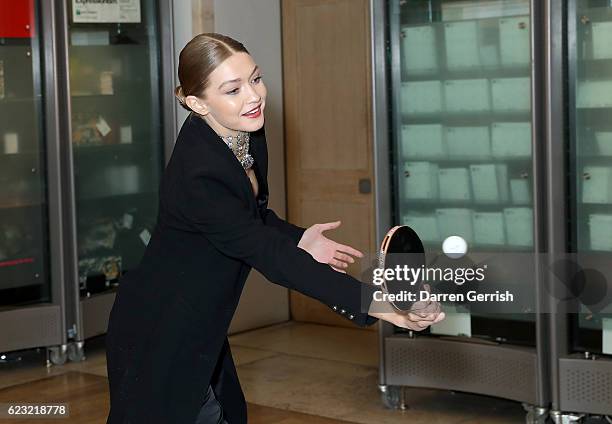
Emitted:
pixel 198 59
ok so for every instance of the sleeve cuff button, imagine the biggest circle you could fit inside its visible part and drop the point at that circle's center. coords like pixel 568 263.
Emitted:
pixel 335 308
pixel 342 311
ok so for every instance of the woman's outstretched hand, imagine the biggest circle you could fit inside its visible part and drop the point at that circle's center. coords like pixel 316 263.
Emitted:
pixel 421 315
pixel 327 251
pixel 410 321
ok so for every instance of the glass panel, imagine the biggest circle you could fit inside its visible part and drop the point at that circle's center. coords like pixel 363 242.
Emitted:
pixel 24 276
pixel 116 136
pixel 461 77
pixel 591 135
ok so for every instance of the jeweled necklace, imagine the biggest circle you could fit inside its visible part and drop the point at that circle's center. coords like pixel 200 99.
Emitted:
pixel 239 145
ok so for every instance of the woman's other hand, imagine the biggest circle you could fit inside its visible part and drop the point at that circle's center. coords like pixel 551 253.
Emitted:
pixel 420 316
pixel 327 251
pixel 410 321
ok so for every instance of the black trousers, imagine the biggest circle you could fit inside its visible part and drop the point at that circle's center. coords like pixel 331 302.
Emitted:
pixel 211 411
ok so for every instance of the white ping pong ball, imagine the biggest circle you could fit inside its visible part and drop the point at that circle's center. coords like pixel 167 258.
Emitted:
pixel 454 247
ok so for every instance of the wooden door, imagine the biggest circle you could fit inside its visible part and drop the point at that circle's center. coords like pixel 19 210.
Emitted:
pixel 328 127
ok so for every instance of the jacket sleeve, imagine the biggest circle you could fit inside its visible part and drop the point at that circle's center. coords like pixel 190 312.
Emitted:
pixel 270 219
pixel 215 209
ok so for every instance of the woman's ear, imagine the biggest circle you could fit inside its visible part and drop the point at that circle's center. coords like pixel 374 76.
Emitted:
pixel 196 105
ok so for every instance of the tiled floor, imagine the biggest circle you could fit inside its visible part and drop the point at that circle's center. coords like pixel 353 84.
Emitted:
pixel 333 372
pixel 291 373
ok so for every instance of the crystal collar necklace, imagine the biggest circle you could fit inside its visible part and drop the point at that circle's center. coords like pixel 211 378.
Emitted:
pixel 239 145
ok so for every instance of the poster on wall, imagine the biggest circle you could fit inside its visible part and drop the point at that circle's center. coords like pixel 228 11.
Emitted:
pixel 106 11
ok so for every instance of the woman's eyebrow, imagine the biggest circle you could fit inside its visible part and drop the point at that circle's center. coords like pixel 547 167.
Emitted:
pixel 238 79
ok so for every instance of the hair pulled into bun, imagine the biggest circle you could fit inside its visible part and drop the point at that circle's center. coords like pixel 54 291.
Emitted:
pixel 180 96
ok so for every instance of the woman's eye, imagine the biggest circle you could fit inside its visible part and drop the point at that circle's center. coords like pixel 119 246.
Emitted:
pixel 256 80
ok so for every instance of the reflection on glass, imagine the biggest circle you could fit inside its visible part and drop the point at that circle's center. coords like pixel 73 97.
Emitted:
pixel 24 275
pixel 116 139
pixel 592 156
pixel 463 131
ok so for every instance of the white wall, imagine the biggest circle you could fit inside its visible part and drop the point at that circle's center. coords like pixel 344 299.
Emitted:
pixel 257 24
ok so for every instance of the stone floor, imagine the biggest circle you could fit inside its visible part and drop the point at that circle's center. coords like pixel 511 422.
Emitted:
pixel 291 373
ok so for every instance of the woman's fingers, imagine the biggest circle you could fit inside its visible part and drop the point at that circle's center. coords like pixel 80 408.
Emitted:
pixel 328 225
pixel 428 319
pixel 412 325
pixel 339 270
pixel 419 306
pixel 421 321
pixel 422 309
pixel 441 316
pixel 349 250
pixel 428 309
pixel 406 321
pixel 341 260
pixel 343 257
pixel 338 264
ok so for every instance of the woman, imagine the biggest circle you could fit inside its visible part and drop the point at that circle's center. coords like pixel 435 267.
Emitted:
pixel 168 357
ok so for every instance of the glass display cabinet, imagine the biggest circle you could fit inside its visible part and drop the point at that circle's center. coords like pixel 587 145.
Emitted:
pixel 116 144
pixel 591 157
pixel 87 120
pixel 584 341
pixel 591 161
pixel 31 301
pixel 24 232
pixel 455 126
pixel 498 130
pixel 462 135
pixel 121 119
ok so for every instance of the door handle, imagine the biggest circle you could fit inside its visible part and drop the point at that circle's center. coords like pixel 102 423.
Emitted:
pixel 365 185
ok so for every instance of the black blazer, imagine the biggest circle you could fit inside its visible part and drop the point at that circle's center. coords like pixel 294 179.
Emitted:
pixel 167 332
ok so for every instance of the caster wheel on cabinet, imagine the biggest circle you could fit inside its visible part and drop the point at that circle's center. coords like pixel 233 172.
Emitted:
pixel 58 354
pixel 393 397
pixel 558 417
pixel 76 352
pixel 535 414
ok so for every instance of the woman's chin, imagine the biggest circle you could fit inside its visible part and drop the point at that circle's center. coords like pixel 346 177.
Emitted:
pixel 254 125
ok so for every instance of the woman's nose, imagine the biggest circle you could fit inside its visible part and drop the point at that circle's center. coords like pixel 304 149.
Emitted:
pixel 252 95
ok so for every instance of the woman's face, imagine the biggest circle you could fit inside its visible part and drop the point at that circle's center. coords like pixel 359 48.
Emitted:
pixel 235 97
